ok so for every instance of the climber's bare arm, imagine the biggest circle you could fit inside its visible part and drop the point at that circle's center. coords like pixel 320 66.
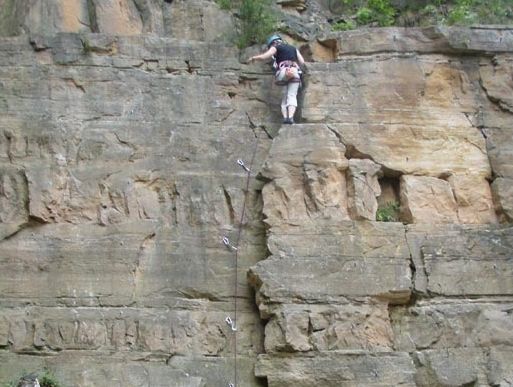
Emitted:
pixel 300 58
pixel 266 55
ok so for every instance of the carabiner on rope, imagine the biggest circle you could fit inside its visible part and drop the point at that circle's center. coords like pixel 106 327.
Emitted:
pixel 227 243
pixel 231 323
pixel 241 163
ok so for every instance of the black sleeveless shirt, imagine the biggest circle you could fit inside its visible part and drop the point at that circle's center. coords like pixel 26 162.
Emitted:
pixel 285 52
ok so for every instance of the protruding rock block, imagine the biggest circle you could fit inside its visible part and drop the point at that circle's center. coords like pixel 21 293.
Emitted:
pixel 440 253
pixel 434 39
pixel 337 370
pixel 139 330
pixel 363 325
pixel 199 20
pixel 328 263
pixel 449 367
pixel 427 200
pixel 363 188
pixel 453 324
pixel 502 189
pixel 13 195
pixel 500 366
pixel 95 369
pixel 474 199
pixel 306 169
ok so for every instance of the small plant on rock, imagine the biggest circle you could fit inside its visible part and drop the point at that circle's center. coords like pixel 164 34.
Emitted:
pixel 382 12
pixel 364 15
pixel 48 379
pixel 388 212
pixel 45 379
pixel 87 48
pixel 367 12
pixel 344 25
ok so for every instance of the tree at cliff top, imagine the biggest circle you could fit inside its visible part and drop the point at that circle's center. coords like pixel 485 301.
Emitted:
pixel 256 20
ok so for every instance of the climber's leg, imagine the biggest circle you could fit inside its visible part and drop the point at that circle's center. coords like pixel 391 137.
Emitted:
pixel 284 111
pixel 289 101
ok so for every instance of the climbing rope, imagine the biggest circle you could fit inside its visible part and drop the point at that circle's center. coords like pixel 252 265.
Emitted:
pixel 232 323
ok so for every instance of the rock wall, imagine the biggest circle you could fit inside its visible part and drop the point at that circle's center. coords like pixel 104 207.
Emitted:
pixel 121 127
pixel 407 116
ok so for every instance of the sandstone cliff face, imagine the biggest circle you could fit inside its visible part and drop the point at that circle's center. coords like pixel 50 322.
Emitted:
pixel 121 126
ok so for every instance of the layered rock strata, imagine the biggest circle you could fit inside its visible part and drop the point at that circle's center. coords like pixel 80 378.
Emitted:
pixel 426 302
pixel 119 180
pixel 121 123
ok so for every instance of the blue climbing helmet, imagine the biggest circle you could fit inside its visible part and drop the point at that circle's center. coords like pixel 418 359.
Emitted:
pixel 272 39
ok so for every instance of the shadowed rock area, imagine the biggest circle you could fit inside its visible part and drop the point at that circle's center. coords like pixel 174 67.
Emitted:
pixel 121 127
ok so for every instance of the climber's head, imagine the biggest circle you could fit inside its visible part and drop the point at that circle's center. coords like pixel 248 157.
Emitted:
pixel 273 39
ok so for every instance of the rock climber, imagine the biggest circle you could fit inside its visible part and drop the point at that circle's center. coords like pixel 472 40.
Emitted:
pixel 288 64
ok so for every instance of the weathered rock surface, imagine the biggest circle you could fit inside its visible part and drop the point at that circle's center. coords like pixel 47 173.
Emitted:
pixel 121 124
pixel 427 197
pixel 307 172
pixel 434 39
pixel 346 259
pixel 409 126
pixel 338 369
pixel 363 188
pixel 192 20
pixel 439 254
pixel 502 190
pixel 119 180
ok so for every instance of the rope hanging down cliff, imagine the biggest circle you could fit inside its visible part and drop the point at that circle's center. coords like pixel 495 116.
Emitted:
pixel 235 248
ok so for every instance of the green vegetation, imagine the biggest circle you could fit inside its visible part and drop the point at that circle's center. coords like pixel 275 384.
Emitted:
pixel 364 12
pixel 465 12
pixel 86 45
pixel 381 13
pixel 256 20
pixel 46 379
pixel 344 25
pixel 224 4
pixel 388 212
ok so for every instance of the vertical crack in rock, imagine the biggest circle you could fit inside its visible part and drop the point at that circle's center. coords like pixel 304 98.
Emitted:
pixel 415 271
pixel 251 123
pixel 229 206
pixel 498 102
pixel 144 13
pixel 9 137
pixel 490 82
pixel 201 22
pixel 494 134
pixel 14 202
pixel 253 126
pixel 351 151
pixel 172 195
pixel 190 68
pixel 310 196
pixel 338 135
pixel 93 19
